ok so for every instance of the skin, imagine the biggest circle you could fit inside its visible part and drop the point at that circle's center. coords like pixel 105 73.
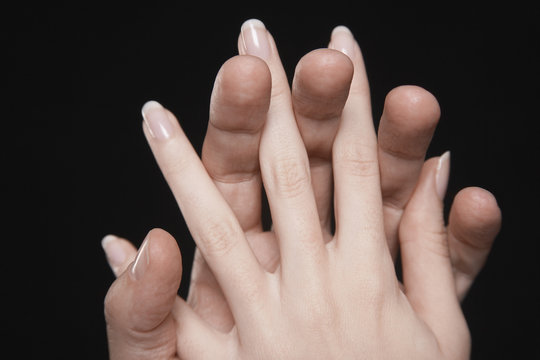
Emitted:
pixel 298 143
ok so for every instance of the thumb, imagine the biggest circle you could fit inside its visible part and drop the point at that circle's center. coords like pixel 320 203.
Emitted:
pixel 138 304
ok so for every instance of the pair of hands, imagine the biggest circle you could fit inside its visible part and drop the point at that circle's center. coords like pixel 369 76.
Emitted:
pixel 299 291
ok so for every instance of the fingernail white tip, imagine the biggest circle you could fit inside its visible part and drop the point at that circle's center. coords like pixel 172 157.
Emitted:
pixel 341 28
pixel 152 104
pixel 442 174
pixel 256 23
pixel 444 157
pixel 107 239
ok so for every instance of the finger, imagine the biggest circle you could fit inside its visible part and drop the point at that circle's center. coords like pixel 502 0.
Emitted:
pixel 120 253
pixel 358 200
pixel 319 91
pixel 206 298
pixel 230 154
pixel 205 295
pixel 210 220
pixel 204 291
pixel 407 124
pixel 139 303
pixel 427 270
pixel 475 220
pixel 196 339
pixel 230 151
pixel 285 166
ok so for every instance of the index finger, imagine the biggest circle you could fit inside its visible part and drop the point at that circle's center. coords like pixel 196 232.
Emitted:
pixel 209 218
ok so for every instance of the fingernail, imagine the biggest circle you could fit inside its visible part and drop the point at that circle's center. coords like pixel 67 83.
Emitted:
pixel 142 260
pixel 157 120
pixel 342 40
pixel 442 174
pixel 255 39
pixel 114 251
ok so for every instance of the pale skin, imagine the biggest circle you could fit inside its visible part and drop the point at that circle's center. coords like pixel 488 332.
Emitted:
pixel 300 291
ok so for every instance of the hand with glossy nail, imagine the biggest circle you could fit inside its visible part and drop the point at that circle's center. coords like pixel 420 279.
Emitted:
pixel 320 89
pixel 338 299
pixel 238 183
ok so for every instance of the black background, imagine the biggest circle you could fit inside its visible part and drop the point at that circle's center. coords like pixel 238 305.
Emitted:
pixel 76 160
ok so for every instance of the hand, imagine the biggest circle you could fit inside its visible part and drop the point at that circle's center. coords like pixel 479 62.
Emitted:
pixel 306 139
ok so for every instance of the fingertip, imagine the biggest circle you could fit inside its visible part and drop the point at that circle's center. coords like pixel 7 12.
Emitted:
pixel 412 108
pixel 141 298
pixel 324 75
pixel 114 252
pixel 119 252
pixel 243 85
pixel 107 239
pixel 475 221
pixel 253 22
pixel 480 198
pixel 424 208
pixel 246 72
pixel 150 105
pixel 429 170
pixel 477 213
pixel 342 40
pixel 341 28
pixel 165 251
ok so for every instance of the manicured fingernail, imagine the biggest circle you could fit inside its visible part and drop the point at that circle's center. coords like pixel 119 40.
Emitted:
pixel 142 260
pixel 255 39
pixel 157 120
pixel 342 40
pixel 114 251
pixel 442 174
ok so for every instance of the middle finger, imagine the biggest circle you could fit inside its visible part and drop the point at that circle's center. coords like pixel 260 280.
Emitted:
pixel 284 165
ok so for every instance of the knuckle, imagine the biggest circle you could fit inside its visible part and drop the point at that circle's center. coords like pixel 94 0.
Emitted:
pixel 436 242
pixel 219 237
pixel 279 93
pixel 376 294
pixel 397 150
pixel 254 295
pixel 319 314
pixel 291 177
pixel 425 232
pixel 357 160
pixel 361 167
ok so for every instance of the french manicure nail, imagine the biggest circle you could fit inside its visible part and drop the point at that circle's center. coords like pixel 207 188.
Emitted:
pixel 142 260
pixel 114 251
pixel 157 120
pixel 255 39
pixel 342 40
pixel 442 174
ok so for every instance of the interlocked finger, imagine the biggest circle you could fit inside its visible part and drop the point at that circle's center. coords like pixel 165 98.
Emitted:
pixel 407 125
pixel 356 170
pixel 319 91
pixel 211 221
